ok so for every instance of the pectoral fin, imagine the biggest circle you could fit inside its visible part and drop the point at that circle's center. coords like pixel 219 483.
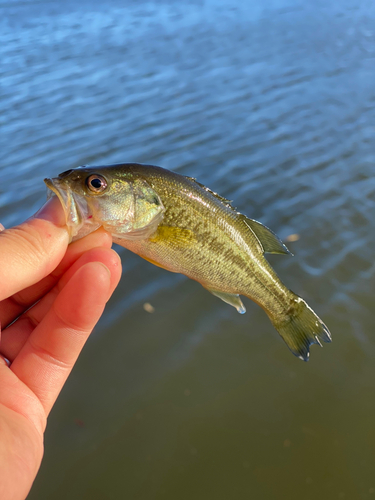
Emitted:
pixel 231 299
pixel 267 238
pixel 175 235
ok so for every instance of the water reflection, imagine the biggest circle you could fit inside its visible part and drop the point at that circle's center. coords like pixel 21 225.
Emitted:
pixel 271 106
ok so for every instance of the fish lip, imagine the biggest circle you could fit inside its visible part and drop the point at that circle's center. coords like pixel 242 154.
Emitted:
pixel 55 187
pixel 74 209
pixel 49 183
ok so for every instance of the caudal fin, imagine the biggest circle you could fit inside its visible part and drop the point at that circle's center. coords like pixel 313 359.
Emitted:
pixel 300 328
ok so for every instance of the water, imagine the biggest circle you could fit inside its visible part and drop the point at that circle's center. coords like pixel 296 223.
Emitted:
pixel 272 104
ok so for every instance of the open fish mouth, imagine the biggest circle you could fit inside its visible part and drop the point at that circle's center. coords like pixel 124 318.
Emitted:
pixel 78 218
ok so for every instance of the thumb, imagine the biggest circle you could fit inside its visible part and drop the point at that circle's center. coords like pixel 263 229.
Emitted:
pixel 32 250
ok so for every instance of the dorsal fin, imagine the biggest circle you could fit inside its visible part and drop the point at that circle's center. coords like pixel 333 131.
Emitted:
pixel 267 238
pixel 226 202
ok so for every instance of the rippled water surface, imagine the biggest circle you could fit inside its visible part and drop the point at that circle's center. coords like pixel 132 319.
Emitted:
pixel 272 104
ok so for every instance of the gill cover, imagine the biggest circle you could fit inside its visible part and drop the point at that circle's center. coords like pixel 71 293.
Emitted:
pixel 130 210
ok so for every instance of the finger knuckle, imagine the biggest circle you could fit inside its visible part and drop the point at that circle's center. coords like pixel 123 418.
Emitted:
pixel 29 242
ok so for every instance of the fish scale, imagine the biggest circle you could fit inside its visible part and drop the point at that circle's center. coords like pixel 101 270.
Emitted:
pixel 178 224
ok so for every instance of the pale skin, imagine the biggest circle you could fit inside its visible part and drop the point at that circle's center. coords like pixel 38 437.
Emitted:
pixel 68 287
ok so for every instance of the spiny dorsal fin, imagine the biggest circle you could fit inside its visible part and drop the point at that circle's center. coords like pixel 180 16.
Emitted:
pixel 267 238
pixel 220 198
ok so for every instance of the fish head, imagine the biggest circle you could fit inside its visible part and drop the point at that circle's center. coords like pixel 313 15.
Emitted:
pixel 121 201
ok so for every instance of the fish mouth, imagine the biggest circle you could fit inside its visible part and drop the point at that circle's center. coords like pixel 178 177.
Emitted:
pixel 75 207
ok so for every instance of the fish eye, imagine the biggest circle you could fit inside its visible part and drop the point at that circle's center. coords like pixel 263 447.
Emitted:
pixel 96 183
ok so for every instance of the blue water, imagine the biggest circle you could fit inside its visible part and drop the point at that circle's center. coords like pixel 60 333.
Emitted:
pixel 271 104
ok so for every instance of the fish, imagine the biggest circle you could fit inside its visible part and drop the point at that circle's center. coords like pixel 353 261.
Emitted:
pixel 178 224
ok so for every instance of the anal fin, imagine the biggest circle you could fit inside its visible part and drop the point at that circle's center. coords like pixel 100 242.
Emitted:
pixel 231 299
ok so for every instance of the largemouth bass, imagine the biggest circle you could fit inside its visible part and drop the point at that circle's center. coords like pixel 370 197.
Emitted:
pixel 180 225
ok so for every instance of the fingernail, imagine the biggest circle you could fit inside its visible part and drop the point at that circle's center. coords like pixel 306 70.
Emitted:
pixel 109 277
pixel 105 267
pixel 1 227
pixel 4 361
pixel 52 211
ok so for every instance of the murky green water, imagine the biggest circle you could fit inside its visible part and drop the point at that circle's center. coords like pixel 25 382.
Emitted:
pixel 272 105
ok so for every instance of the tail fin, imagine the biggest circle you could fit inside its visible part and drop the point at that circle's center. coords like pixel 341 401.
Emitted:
pixel 300 328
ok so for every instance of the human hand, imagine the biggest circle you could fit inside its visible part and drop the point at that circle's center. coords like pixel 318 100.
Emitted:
pixel 51 297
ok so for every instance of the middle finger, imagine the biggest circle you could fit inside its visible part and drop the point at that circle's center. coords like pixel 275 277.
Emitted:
pixel 15 336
